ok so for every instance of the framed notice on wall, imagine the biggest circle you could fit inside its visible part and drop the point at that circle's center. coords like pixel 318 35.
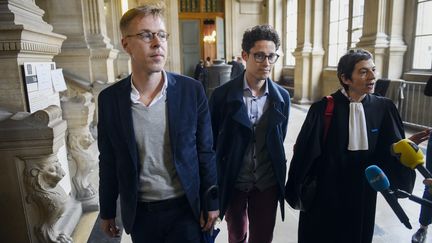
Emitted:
pixel 43 82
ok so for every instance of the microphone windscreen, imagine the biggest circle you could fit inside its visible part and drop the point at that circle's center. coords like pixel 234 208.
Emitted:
pixel 408 153
pixel 376 178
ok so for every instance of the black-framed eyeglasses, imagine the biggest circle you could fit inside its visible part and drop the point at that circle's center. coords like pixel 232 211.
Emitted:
pixel 261 56
pixel 148 36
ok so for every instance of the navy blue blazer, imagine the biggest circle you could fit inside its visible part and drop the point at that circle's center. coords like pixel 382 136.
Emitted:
pixel 191 144
pixel 232 131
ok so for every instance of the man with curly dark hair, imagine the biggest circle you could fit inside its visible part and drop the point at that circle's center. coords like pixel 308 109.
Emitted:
pixel 249 119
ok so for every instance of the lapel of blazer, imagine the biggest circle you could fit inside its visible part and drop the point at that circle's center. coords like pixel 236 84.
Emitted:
pixel 235 100
pixel 173 109
pixel 275 108
pixel 125 111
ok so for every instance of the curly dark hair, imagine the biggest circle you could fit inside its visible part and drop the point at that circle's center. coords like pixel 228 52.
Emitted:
pixel 348 61
pixel 258 33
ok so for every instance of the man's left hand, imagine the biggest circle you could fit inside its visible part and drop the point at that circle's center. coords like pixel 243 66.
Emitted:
pixel 212 216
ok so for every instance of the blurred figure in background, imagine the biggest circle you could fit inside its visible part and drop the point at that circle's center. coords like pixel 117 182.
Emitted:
pixel 198 69
pixel 237 67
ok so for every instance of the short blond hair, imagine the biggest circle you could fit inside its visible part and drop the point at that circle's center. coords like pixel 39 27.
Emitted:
pixel 154 8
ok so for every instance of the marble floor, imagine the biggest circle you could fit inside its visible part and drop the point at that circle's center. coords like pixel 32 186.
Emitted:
pixel 387 227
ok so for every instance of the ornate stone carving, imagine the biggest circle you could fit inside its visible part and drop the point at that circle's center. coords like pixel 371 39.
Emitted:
pixel 79 153
pixel 29 47
pixel 41 178
pixel 78 111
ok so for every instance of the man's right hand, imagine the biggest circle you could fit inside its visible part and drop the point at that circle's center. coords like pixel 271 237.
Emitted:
pixel 110 228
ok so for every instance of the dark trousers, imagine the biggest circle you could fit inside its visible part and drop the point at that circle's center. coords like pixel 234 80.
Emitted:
pixel 169 221
pixel 254 209
pixel 426 212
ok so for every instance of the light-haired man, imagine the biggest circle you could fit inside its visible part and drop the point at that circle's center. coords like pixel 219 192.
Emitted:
pixel 155 142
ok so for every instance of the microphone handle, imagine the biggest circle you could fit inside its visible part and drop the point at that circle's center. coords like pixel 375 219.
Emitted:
pixel 423 202
pixel 397 209
pixel 425 172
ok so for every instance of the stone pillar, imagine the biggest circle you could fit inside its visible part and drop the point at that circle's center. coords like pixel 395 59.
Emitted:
pixel 397 46
pixel 317 55
pixel 374 37
pixel 172 24
pixel 25 37
pixel 82 149
pixel 122 65
pixel 87 52
pixel 275 9
pixel 309 52
pixel 33 201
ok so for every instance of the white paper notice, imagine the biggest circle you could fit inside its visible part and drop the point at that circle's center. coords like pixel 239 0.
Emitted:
pixel 58 80
pixel 43 73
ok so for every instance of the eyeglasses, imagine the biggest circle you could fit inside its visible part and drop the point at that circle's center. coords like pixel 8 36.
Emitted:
pixel 261 56
pixel 148 36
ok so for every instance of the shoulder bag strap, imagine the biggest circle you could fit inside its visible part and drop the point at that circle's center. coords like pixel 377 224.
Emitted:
pixel 328 115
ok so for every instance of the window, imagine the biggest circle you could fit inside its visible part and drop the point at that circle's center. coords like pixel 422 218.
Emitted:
pixel 345 27
pixel 357 22
pixel 201 6
pixel 423 36
pixel 291 38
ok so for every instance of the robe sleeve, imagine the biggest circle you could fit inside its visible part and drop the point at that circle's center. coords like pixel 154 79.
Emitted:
pixel 392 131
pixel 306 149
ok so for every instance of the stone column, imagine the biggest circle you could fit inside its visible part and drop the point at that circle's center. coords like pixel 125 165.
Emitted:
pixel 122 65
pixel 309 52
pixel 317 55
pixel 275 9
pixel 172 24
pixel 82 148
pixel 374 37
pixel 397 46
pixel 33 202
pixel 25 37
pixel 87 52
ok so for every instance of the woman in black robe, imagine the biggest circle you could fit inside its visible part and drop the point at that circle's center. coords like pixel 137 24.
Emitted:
pixel 362 128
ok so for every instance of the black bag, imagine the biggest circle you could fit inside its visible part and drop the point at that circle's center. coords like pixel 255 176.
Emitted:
pixel 305 192
pixel 308 189
pixel 428 88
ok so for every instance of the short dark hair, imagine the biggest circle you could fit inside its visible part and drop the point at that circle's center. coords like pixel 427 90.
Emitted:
pixel 258 33
pixel 156 9
pixel 348 61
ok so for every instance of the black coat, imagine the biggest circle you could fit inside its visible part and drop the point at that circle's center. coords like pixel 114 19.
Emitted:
pixel 344 206
pixel 232 131
pixel 191 147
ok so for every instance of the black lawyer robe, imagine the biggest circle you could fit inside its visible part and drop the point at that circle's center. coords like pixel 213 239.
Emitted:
pixel 344 206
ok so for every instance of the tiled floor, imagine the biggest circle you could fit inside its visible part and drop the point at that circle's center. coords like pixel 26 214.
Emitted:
pixel 387 228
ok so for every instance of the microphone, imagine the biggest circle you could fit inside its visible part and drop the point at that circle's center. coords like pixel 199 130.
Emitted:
pixel 410 155
pixel 379 182
pixel 424 202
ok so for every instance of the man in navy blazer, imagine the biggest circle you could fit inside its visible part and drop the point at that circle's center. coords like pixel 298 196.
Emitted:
pixel 249 120
pixel 155 142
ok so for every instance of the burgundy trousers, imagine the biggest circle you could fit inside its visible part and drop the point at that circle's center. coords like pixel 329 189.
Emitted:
pixel 255 210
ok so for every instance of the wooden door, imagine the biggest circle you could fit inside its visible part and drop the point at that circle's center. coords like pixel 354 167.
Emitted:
pixel 190 45
pixel 220 38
